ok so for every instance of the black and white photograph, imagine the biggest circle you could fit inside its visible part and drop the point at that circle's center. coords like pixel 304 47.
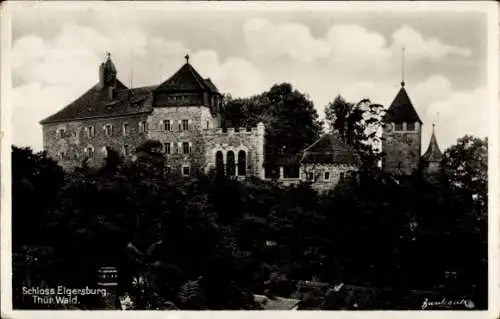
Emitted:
pixel 249 156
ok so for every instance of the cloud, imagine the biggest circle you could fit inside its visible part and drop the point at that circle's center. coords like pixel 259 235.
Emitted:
pixel 234 75
pixel 53 72
pixel 268 40
pixel 349 46
pixel 418 47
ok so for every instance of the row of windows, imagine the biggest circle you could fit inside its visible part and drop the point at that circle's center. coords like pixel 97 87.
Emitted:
pixel 232 166
pixel 410 126
pixel 182 148
pixel 183 125
pixel 109 130
pixel 294 172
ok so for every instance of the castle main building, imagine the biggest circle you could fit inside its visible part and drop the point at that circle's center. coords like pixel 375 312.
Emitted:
pixel 183 113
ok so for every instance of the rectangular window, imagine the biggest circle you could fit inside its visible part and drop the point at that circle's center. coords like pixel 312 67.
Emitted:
pixel 62 133
pixel 327 176
pixel 108 129
pixel 142 127
pixel 185 148
pixel 90 131
pixel 410 126
pixel 125 129
pixel 186 170
pixel 90 152
pixel 208 125
pixel 341 176
pixel 398 127
pixel 167 125
pixel 125 150
pixel 185 125
pixel 310 176
pixel 291 171
pixel 61 156
pixel 167 148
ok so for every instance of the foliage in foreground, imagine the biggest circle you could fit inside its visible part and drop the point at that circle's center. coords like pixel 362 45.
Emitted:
pixel 204 242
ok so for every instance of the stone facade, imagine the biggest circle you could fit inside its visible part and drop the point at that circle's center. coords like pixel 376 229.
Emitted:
pixel 88 139
pixel 183 114
pixel 324 177
pixel 402 148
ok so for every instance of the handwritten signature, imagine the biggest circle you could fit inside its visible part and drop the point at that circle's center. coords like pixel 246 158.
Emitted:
pixel 469 304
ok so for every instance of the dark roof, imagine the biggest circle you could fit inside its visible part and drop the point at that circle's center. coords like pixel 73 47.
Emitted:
pixel 330 149
pixel 433 153
pixel 187 79
pixel 96 103
pixel 211 86
pixel 401 109
pixel 282 159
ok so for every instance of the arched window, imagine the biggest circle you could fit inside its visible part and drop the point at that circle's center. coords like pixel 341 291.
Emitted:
pixel 242 163
pixel 231 164
pixel 219 162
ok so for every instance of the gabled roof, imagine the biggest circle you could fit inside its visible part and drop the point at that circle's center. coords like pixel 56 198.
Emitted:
pixel 211 86
pixel 330 149
pixel 433 153
pixel 96 103
pixel 187 79
pixel 401 108
pixel 282 159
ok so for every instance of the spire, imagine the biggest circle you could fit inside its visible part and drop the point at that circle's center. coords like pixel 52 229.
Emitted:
pixel 187 58
pixel 403 67
pixel 433 153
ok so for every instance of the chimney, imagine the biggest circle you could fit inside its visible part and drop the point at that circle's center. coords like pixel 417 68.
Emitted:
pixel 101 76
pixel 107 279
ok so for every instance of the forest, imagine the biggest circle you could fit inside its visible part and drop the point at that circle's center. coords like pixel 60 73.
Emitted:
pixel 212 242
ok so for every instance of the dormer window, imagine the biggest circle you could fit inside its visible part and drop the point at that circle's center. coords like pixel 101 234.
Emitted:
pixel 410 126
pixel 398 127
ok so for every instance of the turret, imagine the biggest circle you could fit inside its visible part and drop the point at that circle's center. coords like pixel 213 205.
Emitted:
pixel 433 156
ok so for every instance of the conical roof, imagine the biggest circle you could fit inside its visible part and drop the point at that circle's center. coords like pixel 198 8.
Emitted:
pixel 433 153
pixel 401 108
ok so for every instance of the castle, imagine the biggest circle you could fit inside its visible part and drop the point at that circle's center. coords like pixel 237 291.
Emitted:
pixel 184 114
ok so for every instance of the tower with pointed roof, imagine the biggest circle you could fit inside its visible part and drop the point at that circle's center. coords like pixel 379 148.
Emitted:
pixel 432 156
pixel 402 135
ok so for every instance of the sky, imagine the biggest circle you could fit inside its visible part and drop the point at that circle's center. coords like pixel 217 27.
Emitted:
pixel 57 49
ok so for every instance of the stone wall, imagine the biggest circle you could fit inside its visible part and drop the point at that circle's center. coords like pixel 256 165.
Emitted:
pixel 402 150
pixel 72 146
pixel 320 183
pixel 197 120
pixel 249 141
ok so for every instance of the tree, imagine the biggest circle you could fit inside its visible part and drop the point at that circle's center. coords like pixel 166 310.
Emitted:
pixel 289 116
pixel 465 164
pixel 337 113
